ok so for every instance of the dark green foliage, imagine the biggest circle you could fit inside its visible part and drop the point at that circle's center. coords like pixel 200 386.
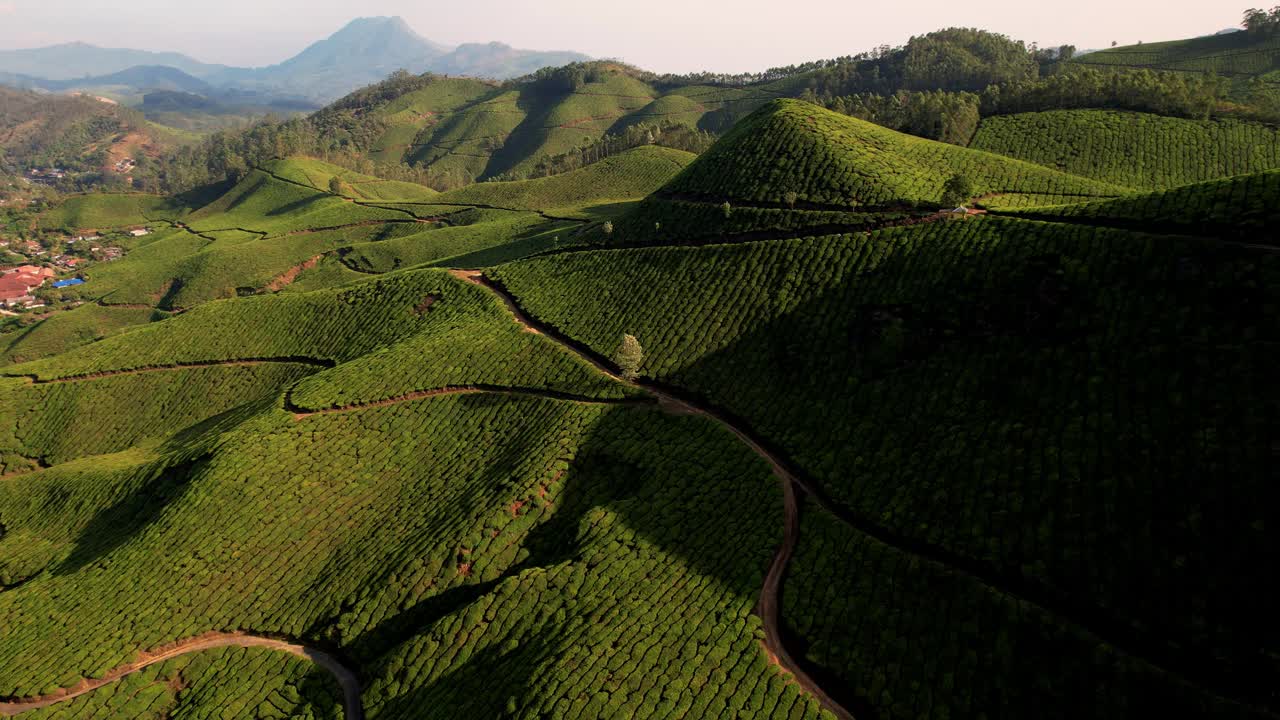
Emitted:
pixel 913 638
pixel 939 115
pixel 956 382
pixel 668 135
pixel 1245 207
pixel 956 59
pixel 1164 93
pixel 1227 54
pixel 957 191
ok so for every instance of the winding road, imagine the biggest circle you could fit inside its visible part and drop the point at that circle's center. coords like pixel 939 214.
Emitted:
pixel 769 604
pixel 352 706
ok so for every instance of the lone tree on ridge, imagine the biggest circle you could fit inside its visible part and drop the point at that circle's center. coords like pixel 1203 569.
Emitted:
pixel 629 357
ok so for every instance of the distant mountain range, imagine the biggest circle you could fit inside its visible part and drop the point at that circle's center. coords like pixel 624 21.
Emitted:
pixel 363 52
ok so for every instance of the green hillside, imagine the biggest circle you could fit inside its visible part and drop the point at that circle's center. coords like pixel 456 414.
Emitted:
pixel 629 176
pixel 829 159
pixel 281 221
pixel 1245 207
pixel 99 211
pixel 1238 53
pixel 61 332
pixel 881 366
pixel 1136 150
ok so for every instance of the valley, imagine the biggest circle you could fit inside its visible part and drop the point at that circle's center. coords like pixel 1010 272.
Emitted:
pixel 891 387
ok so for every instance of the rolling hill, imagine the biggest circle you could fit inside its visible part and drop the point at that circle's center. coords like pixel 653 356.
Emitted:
pixel 1231 54
pixel 1136 150
pixel 763 432
pixel 76 133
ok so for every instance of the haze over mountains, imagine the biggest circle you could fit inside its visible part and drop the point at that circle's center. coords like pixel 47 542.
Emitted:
pixel 366 50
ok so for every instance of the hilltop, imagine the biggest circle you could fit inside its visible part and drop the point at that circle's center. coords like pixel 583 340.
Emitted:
pixel 76 133
pixel 362 52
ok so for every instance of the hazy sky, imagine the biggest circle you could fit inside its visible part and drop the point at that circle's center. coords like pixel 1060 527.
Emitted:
pixel 660 35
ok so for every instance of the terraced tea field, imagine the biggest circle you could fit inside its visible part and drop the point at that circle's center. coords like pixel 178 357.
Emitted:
pixel 388 453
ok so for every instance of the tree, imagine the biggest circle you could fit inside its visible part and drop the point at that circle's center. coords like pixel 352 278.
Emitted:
pixel 629 357
pixel 1260 22
pixel 791 198
pixel 335 185
pixel 607 227
pixel 727 209
pixel 1066 52
pixel 957 191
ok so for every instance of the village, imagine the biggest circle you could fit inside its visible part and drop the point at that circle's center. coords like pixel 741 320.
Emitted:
pixel 40 263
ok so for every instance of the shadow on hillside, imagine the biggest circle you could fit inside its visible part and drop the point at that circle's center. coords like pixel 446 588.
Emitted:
pixel 961 414
pixel 320 696
pixel 490 684
pixel 1095 423
pixel 552 542
pixel 179 463
pixel 683 491
pixel 296 205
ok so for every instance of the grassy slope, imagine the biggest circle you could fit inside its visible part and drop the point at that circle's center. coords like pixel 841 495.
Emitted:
pixel 1245 206
pixel 63 331
pixel 952 382
pixel 1136 150
pixel 408 527
pixel 101 211
pixel 1230 54
pixel 468 129
pixel 317 174
pixel 278 221
pixel 827 158
pixel 253 681
pixel 630 175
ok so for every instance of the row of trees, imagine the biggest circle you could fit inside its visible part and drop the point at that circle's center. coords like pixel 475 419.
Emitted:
pixel 1261 22
pixel 938 115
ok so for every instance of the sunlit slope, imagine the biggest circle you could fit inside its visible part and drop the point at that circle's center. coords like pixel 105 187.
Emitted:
pixel 461 130
pixel 319 175
pixel 102 211
pixel 349 512
pixel 1230 54
pixel 824 158
pixel 1136 150
pixel 62 331
pixel 628 176
pixel 282 220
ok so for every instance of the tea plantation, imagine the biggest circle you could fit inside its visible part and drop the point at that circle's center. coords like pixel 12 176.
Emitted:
pixel 1135 150
pixel 771 431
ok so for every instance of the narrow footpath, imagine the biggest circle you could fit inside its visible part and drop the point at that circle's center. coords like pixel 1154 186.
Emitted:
pixel 352 705
pixel 300 413
pixel 244 362
pixel 769 604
